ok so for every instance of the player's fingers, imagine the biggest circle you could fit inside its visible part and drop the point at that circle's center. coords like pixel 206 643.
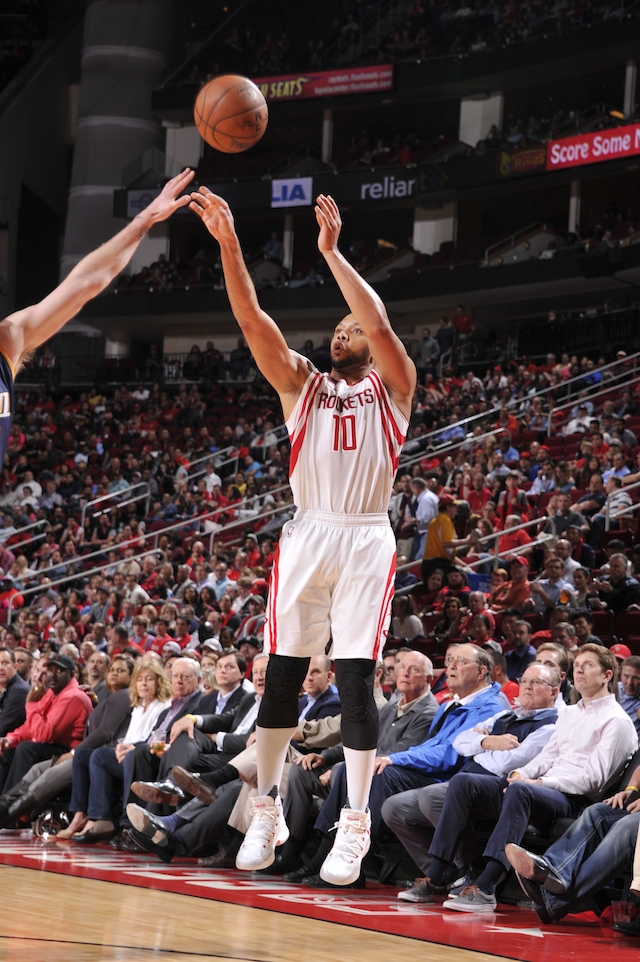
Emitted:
pixel 196 208
pixel 182 201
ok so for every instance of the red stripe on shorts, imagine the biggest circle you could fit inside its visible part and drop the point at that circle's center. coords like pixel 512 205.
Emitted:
pixel 273 591
pixel 386 601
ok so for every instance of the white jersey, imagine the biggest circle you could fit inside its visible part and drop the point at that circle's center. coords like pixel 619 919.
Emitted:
pixel 346 441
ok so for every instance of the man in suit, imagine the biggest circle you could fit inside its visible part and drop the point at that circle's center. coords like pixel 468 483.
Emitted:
pixel 13 693
pixel 194 828
pixel 190 744
pixel 403 724
pixel 141 764
pixel 320 698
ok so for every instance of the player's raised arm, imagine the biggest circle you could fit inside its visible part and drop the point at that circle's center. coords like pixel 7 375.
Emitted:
pixel 390 358
pixel 283 370
pixel 25 330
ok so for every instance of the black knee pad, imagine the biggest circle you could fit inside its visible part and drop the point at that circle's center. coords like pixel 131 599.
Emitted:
pixel 359 721
pixel 279 706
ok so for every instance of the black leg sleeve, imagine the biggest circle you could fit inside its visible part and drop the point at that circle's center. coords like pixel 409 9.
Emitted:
pixel 359 725
pixel 279 706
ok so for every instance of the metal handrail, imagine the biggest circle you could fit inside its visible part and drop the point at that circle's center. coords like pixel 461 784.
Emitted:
pixel 114 497
pixel 74 577
pixel 572 403
pixel 416 458
pixel 518 527
pixel 619 514
pixel 205 457
pixel 27 527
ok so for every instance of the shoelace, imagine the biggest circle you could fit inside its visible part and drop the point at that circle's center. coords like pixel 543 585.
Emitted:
pixel 263 815
pixel 345 846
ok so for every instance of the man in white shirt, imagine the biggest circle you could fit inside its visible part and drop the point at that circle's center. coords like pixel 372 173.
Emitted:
pixel 590 746
pixel 211 479
pixel 135 592
pixel 425 511
pixel 493 747
pixel 617 502
pixel 546 592
pixel 563 549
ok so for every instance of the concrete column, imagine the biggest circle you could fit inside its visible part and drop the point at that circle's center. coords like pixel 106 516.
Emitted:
pixel 287 240
pixel 117 344
pixel 327 136
pixel 124 51
pixel 575 204
pixel 630 87
pixel 183 145
pixel 431 228
pixel 477 114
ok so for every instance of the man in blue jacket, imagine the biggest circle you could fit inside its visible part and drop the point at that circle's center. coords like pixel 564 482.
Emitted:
pixel 475 698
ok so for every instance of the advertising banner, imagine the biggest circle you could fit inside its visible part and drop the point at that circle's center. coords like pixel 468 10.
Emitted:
pixel 514 163
pixel 614 144
pixel 292 192
pixel 326 83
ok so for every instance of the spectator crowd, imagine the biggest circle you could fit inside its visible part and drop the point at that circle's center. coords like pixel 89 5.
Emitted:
pixel 131 661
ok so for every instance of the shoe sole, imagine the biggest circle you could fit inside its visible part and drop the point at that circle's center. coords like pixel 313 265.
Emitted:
pixel 148 794
pixel 140 821
pixel 187 784
pixel 527 867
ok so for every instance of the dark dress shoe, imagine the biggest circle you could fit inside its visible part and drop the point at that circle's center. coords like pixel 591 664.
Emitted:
pixel 22 805
pixel 164 852
pixel 165 792
pixel 531 889
pixel 219 860
pixel 124 843
pixel 148 823
pixel 629 928
pixel 192 784
pixel 535 868
pixel 91 837
pixel 298 876
pixel 315 882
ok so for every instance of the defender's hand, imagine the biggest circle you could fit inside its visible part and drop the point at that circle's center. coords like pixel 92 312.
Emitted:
pixel 170 198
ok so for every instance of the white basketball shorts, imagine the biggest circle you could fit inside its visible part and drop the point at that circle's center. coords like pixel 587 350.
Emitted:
pixel 333 577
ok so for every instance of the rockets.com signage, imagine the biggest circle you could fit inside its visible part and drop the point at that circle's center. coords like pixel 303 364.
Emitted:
pixel 614 144
pixel 326 83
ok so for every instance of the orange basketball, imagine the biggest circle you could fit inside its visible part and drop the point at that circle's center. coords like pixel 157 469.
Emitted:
pixel 230 113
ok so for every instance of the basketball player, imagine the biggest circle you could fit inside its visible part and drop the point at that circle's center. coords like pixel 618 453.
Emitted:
pixel 335 567
pixel 21 333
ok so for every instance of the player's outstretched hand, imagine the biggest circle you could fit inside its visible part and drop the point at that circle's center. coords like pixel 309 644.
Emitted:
pixel 215 214
pixel 171 197
pixel 329 222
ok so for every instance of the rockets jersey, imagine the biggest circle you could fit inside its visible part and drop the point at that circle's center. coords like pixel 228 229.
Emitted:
pixel 6 402
pixel 345 445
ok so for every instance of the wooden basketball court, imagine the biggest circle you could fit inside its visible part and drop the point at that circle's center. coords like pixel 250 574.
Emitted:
pixel 66 903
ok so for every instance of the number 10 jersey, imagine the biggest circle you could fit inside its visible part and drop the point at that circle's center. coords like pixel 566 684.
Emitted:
pixel 346 441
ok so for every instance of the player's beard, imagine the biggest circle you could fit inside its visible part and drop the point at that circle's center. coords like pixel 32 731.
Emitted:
pixel 344 361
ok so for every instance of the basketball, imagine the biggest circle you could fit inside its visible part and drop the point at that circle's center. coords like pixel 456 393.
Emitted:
pixel 230 113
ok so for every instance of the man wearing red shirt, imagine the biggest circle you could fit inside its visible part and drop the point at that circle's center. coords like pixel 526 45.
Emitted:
pixel 479 496
pixel 56 717
pixel 9 595
pixel 514 543
pixel 515 592
pixel 462 322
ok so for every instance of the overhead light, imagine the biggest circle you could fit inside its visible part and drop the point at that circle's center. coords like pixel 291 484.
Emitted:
pixel 617 114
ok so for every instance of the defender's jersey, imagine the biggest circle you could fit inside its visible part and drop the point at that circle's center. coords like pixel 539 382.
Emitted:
pixel 345 445
pixel 6 402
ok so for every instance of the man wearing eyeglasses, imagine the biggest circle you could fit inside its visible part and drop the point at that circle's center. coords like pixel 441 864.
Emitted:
pixel 494 747
pixel 584 757
pixel 476 697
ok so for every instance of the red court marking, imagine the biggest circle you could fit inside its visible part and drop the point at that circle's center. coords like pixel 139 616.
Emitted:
pixel 511 932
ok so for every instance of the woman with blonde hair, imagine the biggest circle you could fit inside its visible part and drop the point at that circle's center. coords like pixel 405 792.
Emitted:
pixel 149 694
